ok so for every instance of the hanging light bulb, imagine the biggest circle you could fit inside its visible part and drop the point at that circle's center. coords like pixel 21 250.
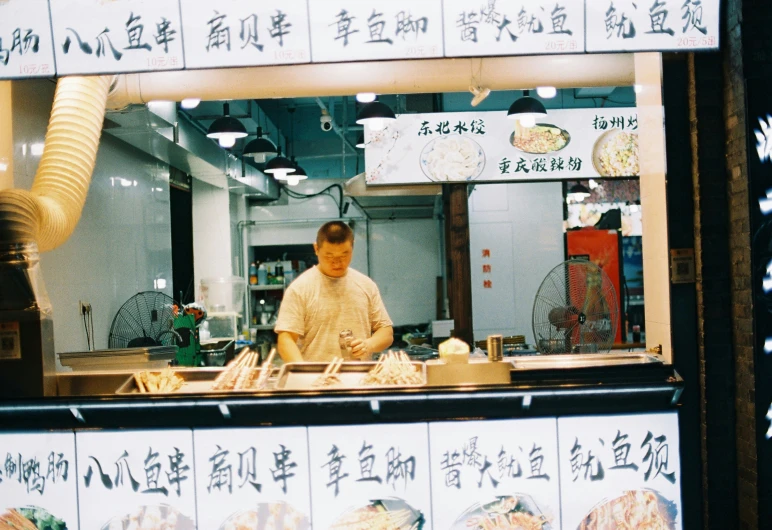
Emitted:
pixel 366 97
pixel 578 192
pixel 292 180
pixel 260 148
pixel 227 141
pixel 190 103
pixel 526 107
pixel 527 121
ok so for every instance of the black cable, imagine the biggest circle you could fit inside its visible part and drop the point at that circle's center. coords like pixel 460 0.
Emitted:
pixel 85 327
pixel 91 325
pixel 325 191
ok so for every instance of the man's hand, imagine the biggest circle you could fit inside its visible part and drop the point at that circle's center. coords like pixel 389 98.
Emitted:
pixel 360 349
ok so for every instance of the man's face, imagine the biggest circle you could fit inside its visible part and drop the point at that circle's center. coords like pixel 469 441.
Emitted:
pixel 334 259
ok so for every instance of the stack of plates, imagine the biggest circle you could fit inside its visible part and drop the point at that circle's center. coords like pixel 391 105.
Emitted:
pixel 120 358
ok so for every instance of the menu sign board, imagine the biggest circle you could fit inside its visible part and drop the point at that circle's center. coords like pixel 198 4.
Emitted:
pixel 356 30
pixel 508 28
pixel 245 33
pixel 370 476
pixel 643 25
pixel 620 470
pixel 136 477
pixel 253 478
pixel 760 175
pixel 94 36
pixel 38 481
pixel 489 147
pixel 485 473
pixel 26 47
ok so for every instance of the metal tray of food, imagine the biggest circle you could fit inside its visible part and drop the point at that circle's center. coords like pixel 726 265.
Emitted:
pixel 194 381
pixel 595 360
pixel 302 376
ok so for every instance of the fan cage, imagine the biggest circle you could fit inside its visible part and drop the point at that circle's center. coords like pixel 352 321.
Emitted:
pixel 144 320
pixel 575 310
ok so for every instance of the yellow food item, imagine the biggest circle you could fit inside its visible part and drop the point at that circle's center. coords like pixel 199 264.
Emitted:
pixel 635 509
pixel 540 140
pixel 162 382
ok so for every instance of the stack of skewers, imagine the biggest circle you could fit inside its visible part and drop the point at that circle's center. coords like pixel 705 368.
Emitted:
pixel 242 373
pixel 394 368
pixel 330 375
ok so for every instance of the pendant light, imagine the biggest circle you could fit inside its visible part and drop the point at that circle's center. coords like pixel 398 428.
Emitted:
pixel 226 129
pixel 375 115
pixel 527 110
pixel 279 166
pixel 578 192
pixel 361 141
pixel 260 148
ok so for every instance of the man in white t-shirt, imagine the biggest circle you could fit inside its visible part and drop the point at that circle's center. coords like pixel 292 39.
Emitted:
pixel 330 298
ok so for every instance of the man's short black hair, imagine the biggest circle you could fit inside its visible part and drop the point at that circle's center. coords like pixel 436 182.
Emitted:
pixel 335 232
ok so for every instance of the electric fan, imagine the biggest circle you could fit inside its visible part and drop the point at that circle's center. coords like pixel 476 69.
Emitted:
pixel 146 319
pixel 575 310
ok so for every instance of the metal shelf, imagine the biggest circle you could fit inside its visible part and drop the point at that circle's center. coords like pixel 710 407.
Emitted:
pixel 276 287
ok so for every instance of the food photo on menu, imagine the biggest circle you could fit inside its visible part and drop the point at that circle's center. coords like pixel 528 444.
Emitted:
pixel 383 514
pixel 30 518
pixel 157 517
pixel 268 516
pixel 511 512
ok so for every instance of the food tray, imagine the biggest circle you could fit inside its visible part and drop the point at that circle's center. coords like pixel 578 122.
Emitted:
pixel 196 381
pixel 301 376
pixel 596 360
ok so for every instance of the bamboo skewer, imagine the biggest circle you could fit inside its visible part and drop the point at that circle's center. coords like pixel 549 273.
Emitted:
pixel 231 370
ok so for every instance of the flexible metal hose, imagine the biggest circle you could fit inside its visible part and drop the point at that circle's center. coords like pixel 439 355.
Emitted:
pixel 49 212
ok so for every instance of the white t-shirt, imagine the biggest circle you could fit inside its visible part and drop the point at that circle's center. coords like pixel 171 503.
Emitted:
pixel 318 307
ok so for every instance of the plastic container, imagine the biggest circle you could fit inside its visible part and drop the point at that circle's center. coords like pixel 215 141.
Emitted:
pixel 223 325
pixel 262 275
pixel 223 294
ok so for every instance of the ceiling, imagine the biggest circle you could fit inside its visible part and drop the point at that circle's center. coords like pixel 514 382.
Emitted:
pixel 294 123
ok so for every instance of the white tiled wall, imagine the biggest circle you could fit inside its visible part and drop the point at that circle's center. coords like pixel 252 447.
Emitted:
pixel 123 240
pixel 522 226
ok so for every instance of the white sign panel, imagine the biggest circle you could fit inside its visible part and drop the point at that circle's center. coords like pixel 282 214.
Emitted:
pixel 357 30
pixel 26 46
pixel 626 467
pixel 487 146
pixel 498 27
pixel 38 482
pixel 94 36
pixel 495 474
pixel 253 478
pixel 245 33
pixel 640 25
pixel 370 476
pixel 136 477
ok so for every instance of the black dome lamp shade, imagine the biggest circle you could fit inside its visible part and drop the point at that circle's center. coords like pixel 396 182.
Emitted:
pixel 375 115
pixel 527 110
pixel 260 148
pixel 297 176
pixel 226 129
pixel 279 166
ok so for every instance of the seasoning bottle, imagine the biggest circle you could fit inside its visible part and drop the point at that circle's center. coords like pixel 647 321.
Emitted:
pixel 253 274
pixel 495 348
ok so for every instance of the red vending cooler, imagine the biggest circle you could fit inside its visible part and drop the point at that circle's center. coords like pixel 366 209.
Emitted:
pixel 604 249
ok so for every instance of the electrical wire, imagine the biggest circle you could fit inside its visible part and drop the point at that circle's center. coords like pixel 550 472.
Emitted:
pixel 91 328
pixel 85 326
pixel 325 191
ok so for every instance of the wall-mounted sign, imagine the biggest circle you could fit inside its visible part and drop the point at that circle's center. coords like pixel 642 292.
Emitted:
pixel 370 477
pixel 356 30
pixel 509 28
pixel 38 481
pixel 122 36
pixel 621 471
pixel 641 25
pixel 94 36
pixel 487 146
pixel 141 478
pixel 484 473
pixel 26 48
pixel 245 33
pixel 251 475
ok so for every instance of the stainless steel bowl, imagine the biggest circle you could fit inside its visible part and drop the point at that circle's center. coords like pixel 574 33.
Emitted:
pixel 214 358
